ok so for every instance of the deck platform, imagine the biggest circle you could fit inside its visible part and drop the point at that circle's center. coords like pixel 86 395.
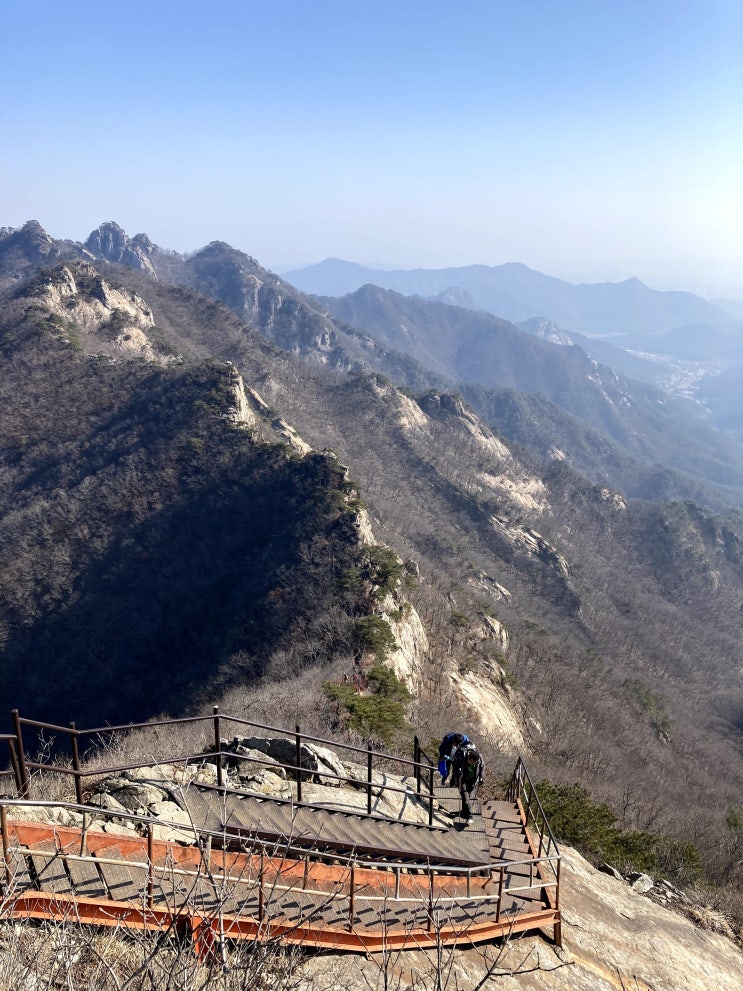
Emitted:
pixel 319 877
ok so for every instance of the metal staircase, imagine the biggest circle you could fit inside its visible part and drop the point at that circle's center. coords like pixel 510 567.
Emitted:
pixel 254 867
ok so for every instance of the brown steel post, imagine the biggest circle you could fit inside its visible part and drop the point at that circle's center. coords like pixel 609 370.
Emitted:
pixel 430 796
pixel 218 745
pixel 500 895
pixel 417 760
pixel 368 778
pixel 352 899
pixel 299 763
pixel 527 810
pixel 25 785
pixel 430 899
pixel 6 843
pixel 557 929
pixel 76 764
pixel 150 871
pixel 16 767
pixel 84 835
pixel 260 888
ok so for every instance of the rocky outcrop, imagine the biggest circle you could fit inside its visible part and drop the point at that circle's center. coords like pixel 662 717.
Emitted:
pixel 411 642
pixel 96 316
pixel 614 939
pixel 491 709
pixel 110 243
pixel 258 410
pixel 28 248
pixel 527 540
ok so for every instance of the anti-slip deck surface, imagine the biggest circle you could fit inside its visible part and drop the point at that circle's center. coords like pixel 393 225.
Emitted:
pixel 303 886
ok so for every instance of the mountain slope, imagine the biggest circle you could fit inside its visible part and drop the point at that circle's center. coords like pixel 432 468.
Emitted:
pixel 151 550
pixel 144 533
pixel 478 349
pixel 440 346
pixel 629 310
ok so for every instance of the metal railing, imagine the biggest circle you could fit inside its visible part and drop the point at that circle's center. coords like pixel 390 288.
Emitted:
pixel 14 770
pixel 539 835
pixel 262 867
pixel 420 766
pixel 533 880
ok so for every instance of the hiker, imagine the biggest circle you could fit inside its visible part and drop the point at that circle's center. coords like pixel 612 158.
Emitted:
pixel 447 749
pixel 468 770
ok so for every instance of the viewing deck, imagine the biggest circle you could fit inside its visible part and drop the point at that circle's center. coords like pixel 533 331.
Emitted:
pixel 251 866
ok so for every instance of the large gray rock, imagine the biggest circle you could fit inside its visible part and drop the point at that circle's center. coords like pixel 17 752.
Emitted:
pixel 134 796
pixel 318 763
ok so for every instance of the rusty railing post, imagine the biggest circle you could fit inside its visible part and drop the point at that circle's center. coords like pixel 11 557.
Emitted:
pixel 352 899
pixel 500 895
pixel 218 744
pixel 430 796
pixel 417 761
pixel 76 764
pixel 260 888
pixel 368 779
pixel 15 765
pixel 430 899
pixel 299 762
pixel 6 845
pixel 150 866
pixel 25 784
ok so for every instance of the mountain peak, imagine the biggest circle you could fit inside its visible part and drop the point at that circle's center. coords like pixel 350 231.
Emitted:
pixel 111 243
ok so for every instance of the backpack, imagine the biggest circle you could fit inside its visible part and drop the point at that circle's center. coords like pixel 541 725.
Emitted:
pixel 447 743
pixel 461 758
pixel 466 749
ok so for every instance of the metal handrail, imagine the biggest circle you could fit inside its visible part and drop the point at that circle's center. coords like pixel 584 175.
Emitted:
pixel 100 730
pixel 518 772
pixel 516 789
pixel 422 866
pixel 277 872
pixel 217 753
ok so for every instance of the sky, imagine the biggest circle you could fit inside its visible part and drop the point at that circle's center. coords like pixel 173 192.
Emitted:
pixel 589 139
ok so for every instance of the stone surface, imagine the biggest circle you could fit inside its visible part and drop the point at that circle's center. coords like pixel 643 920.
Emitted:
pixel 614 939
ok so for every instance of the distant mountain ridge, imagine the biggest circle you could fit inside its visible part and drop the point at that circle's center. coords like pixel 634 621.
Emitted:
pixel 630 311
pixel 483 354
pixel 616 432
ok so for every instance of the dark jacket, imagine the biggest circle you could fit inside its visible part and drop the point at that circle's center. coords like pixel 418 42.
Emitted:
pixel 469 772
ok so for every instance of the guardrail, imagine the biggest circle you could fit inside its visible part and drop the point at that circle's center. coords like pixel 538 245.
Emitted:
pixel 262 868
pixel 421 766
pixel 14 770
pixel 539 835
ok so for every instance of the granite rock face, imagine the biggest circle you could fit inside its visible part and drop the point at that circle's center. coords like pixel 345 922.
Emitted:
pixel 614 939
pixel 111 243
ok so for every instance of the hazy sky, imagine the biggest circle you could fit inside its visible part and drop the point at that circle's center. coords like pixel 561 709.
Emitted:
pixel 582 137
